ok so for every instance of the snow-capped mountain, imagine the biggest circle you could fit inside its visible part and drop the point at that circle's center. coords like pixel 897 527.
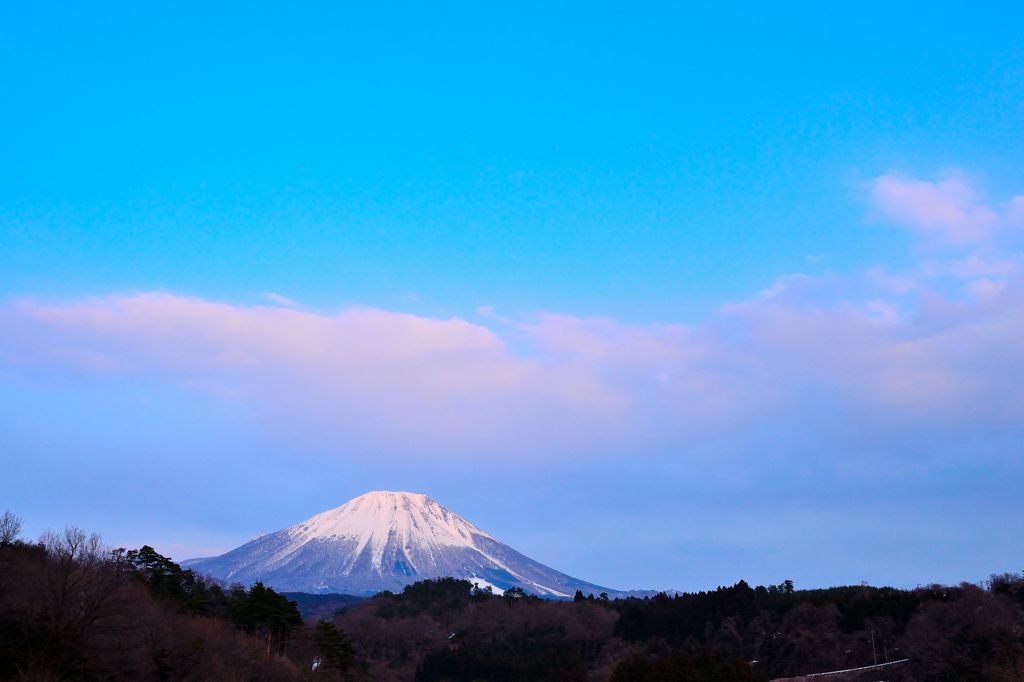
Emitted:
pixel 385 541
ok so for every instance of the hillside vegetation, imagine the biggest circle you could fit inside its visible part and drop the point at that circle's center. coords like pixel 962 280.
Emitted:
pixel 72 610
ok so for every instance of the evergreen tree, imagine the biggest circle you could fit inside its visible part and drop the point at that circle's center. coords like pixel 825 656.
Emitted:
pixel 334 645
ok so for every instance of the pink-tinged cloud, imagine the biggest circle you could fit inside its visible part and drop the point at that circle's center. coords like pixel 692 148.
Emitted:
pixel 949 210
pixel 362 374
pixel 379 381
pixel 938 347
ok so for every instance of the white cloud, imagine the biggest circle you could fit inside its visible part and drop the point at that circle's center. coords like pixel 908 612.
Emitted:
pixel 399 382
pixel 882 351
pixel 949 210
pixel 280 300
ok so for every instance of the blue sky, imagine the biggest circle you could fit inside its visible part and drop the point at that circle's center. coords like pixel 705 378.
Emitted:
pixel 714 292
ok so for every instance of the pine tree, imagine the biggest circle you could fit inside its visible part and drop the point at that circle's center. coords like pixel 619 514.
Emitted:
pixel 334 645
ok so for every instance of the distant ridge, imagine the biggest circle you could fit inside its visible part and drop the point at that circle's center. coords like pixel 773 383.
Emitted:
pixel 384 541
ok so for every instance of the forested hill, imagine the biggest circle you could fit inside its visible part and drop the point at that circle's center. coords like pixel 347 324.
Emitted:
pixel 318 606
pixel 440 631
pixel 70 609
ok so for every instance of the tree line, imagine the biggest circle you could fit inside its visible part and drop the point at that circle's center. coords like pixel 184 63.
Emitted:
pixel 72 609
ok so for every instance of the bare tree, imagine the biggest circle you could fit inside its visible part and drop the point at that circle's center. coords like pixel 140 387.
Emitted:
pixel 10 528
pixel 73 546
pixel 78 584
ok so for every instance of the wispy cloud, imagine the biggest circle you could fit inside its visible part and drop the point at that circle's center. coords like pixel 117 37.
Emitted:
pixel 362 373
pixel 949 209
pixel 280 300
pixel 892 352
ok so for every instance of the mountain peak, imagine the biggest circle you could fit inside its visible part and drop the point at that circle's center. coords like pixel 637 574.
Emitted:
pixel 384 540
pixel 390 497
pixel 375 494
pixel 376 518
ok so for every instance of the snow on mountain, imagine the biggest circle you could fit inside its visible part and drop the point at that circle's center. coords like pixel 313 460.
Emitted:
pixel 385 541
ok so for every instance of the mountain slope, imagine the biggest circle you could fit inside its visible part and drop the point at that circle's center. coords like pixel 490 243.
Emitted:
pixel 385 541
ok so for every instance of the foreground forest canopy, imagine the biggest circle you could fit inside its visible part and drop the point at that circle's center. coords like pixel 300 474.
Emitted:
pixel 72 609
